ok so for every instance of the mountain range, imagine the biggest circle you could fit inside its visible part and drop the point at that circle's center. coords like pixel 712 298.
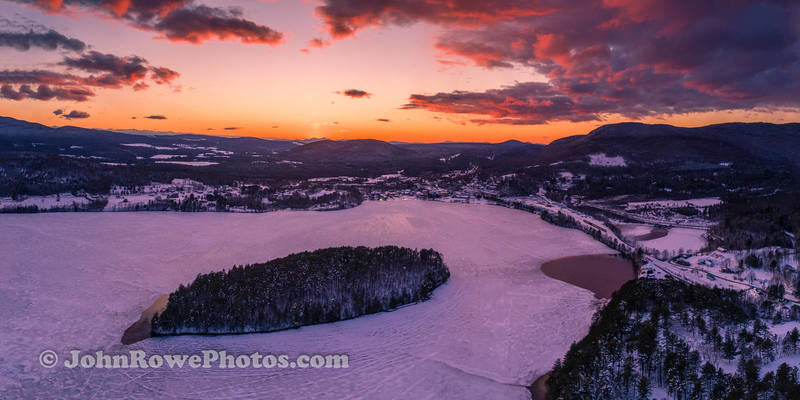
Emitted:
pixel 635 143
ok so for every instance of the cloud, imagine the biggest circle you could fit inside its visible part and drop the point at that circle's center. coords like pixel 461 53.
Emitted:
pixel 383 120
pixel 231 128
pixel 175 20
pixel 524 103
pixel 163 75
pixel 593 58
pixel 50 40
pixel 58 111
pixel 117 70
pixel 104 71
pixel 355 93
pixel 74 114
pixel 200 23
pixel 345 17
pixel 316 43
pixel 156 117
pixel 44 92
pixel 40 77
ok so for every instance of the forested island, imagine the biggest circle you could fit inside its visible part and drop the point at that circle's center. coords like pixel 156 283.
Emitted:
pixel 666 337
pixel 305 288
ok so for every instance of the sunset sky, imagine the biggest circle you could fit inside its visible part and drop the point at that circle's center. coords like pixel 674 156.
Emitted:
pixel 406 70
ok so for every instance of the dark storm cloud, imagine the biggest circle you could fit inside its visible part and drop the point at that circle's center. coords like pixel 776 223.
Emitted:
pixel 50 40
pixel 634 58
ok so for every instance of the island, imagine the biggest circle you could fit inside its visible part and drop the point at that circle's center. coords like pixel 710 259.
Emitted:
pixel 301 289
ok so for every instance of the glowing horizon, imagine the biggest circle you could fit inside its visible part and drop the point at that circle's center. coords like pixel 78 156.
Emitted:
pixel 485 73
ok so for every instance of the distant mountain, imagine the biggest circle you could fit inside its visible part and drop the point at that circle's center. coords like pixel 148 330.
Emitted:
pixel 17 137
pixel 256 157
pixel 475 149
pixel 359 150
pixel 758 143
pixel 506 156
pixel 634 143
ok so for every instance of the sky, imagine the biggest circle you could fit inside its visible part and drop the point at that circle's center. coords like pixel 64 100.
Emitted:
pixel 398 70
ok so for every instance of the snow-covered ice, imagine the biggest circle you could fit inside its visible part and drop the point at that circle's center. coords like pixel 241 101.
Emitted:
pixel 77 280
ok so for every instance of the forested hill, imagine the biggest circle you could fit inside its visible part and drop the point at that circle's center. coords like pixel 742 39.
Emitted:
pixel 306 288
pixel 666 338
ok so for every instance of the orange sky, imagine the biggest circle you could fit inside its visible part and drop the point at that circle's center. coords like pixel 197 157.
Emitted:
pixel 279 91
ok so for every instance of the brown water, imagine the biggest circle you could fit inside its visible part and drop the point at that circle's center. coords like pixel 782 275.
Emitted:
pixel 539 388
pixel 140 330
pixel 600 273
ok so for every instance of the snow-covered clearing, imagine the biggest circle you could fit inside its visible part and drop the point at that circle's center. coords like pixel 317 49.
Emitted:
pixel 385 177
pixel 601 160
pixel 450 157
pixel 189 163
pixel 690 240
pixel 77 280
pixel 782 329
pixel 149 146
pixel 44 202
pixel 633 230
pixel 703 202
pixel 166 156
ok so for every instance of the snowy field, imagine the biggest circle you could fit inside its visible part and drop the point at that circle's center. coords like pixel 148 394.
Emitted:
pixel 77 280
pixel 631 231
pixel 687 239
pixel 690 240
pixel 44 202
pixel 701 203
pixel 601 160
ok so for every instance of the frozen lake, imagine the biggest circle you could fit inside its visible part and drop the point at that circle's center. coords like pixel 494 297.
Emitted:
pixel 77 280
